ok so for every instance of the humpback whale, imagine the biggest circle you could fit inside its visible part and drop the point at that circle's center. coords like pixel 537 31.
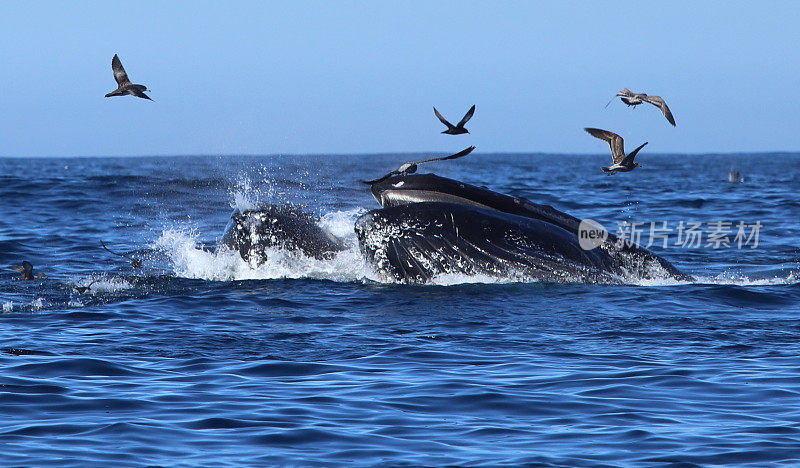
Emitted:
pixel 254 231
pixel 413 243
pixel 429 225
pixel 466 209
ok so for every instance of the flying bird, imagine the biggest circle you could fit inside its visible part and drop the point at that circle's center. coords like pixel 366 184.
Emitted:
pixel 622 163
pixel 458 129
pixel 26 270
pixel 411 167
pixel 135 262
pixel 124 85
pixel 634 99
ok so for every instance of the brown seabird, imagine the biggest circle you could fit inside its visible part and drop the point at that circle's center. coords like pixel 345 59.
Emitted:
pixel 26 270
pixel 411 167
pixel 634 99
pixel 124 85
pixel 622 163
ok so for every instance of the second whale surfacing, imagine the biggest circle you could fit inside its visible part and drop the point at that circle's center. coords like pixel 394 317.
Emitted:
pixel 430 226
pixel 253 232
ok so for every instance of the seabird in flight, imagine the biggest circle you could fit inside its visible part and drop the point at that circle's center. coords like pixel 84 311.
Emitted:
pixel 458 129
pixel 622 163
pixel 135 262
pixel 124 85
pixel 411 167
pixel 634 99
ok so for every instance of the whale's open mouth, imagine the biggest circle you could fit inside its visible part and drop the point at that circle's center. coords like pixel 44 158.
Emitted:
pixel 430 226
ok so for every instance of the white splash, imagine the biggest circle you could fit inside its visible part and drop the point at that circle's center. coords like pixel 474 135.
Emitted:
pixel 102 284
pixel 109 285
pixel 8 306
pixel 247 194
pixel 454 279
pixel 726 278
pixel 244 197
pixel 189 261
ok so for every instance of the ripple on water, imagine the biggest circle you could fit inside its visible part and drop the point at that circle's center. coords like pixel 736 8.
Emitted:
pixel 198 360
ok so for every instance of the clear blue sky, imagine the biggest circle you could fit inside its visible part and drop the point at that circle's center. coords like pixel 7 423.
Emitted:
pixel 361 77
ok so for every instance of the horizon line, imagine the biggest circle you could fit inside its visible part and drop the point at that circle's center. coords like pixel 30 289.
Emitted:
pixel 386 153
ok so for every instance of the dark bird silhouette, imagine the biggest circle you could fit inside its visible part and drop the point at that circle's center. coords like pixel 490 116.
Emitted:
pixel 83 289
pixel 634 99
pixel 124 85
pixel 135 262
pixel 622 163
pixel 26 270
pixel 411 167
pixel 458 129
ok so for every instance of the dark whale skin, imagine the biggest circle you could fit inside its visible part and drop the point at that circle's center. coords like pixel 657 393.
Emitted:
pixel 417 188
pixel 252 232
pixel 415 242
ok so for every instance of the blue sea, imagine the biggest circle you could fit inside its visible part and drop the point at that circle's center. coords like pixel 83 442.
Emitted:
pixel 199 360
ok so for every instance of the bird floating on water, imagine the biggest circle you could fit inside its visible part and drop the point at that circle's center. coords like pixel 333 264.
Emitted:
pixel 411 167
pixel 622 163
pixel 124 85
pixel 459 128
pixel 26 270
pixel 135 262
pixel 634 99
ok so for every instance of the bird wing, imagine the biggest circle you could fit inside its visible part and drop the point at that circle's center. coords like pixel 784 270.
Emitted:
pixel 442 119
pixel 140 93
pixel 615 142
pixel 119 72
pixel 660 103
pixel 460 154
pixel 629 158
pixel 379 179
pixel 407 167
pixel 467 116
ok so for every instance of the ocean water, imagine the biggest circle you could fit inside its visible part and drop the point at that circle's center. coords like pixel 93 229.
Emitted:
pixel 198 360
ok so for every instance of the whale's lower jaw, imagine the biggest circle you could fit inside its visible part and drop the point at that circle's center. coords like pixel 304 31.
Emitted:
pixel 404 197
pixel 416 242
pixel 629 260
